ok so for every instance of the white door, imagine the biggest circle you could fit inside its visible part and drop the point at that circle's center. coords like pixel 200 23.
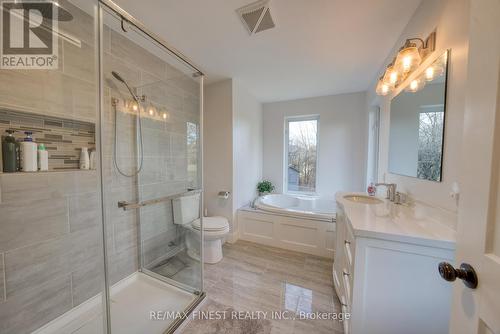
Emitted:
pixel 478 244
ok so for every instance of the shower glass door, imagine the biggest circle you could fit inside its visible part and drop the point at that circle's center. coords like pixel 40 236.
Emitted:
pixel 151 158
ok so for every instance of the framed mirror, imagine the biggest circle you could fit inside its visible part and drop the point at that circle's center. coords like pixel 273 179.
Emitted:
pixel 417 121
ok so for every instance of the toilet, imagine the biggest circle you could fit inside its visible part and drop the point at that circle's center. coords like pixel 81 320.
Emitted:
pixel 187 213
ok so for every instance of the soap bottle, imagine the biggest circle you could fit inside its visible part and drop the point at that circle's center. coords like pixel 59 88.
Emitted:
pixel 84 158
pixel 9 153
pixel 28 153
pixel 92 159
pixel 43 158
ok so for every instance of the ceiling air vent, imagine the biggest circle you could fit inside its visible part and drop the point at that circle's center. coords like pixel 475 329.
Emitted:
pixel 256 16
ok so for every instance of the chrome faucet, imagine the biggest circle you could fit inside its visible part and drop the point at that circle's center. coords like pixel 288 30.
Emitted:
pixel 391 190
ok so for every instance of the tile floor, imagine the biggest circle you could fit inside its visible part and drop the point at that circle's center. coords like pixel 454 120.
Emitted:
pixel 253 277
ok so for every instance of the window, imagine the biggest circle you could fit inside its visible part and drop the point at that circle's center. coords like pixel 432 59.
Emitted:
pixel 301 138
pixel 192 154
pixel 373 145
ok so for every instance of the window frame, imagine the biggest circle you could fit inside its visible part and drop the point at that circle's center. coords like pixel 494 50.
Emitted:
pixel 285 157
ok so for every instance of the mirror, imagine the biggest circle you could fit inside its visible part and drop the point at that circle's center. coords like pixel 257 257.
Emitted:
pixel 417 124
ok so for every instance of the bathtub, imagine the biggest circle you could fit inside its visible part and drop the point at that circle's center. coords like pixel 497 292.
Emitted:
pixel 304 224
pixel 299 206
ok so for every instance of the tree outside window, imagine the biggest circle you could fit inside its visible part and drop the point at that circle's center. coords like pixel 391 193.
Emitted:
pixel 301 139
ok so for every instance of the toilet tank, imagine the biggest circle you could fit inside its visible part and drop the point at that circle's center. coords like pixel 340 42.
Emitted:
pixel 186 209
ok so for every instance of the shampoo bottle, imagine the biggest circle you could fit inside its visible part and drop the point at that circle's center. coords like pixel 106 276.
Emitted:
pixel 9 153
pixel 84 158
pixel 28 153
pixel 43 158
pixel 92 159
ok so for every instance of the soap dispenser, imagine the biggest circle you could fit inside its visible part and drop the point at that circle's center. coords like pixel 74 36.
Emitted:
pixel 9 153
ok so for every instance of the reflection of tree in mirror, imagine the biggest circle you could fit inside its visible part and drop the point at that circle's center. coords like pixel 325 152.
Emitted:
pixel 430 143
pixel 302 138
pixel 192 153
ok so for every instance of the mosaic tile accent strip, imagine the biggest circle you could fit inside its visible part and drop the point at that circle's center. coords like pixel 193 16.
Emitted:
pixel 63 138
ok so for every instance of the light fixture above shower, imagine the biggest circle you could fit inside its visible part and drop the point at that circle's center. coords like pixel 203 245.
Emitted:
pixel 256 17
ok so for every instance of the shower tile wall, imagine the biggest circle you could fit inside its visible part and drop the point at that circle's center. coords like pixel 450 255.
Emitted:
pixel 50 240
pixel 164 170
pixel 50 222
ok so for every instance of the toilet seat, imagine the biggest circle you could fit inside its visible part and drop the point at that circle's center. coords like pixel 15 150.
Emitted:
pixel 212 224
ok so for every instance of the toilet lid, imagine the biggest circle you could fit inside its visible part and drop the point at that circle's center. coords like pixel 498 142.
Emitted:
pixel 212 223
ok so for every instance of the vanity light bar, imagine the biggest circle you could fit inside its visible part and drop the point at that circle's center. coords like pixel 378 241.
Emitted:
pixel 409 57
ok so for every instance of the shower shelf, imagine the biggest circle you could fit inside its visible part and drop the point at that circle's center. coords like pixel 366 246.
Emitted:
pixel 63 138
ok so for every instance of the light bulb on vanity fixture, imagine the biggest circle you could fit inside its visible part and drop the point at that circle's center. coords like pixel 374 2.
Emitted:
pixel 408 57
pixel 391 76
pixel 382 88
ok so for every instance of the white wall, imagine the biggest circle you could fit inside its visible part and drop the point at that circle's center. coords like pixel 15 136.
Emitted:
pixel 247 145
pixel 218 147
pixel 342 140
pixel 232 148
pixel 450 19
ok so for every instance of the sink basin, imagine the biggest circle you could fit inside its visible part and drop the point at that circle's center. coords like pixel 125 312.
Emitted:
pixel 363 199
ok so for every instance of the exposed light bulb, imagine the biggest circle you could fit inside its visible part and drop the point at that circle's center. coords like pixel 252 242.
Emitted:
pixel 393 78
pixel 407 63
pixel 164 115
pixel 135 106
pixel 385 89
pixel 151 111
pixel 429 73
pixel 382 88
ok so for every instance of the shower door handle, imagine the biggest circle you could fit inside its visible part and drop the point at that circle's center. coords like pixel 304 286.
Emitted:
pixel 129 206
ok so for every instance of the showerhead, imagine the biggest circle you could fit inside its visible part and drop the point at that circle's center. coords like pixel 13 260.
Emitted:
pixel 119 78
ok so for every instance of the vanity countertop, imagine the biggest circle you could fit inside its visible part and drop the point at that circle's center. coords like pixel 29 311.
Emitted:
pixel 416 223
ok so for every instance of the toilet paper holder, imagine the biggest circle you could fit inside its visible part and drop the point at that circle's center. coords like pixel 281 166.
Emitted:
pixel 223 194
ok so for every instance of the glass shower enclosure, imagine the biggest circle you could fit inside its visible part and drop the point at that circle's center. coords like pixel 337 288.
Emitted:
pixel 99 244
pixel 154 162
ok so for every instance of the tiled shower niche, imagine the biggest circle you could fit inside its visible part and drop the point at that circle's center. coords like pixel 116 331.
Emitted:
pixel 63 138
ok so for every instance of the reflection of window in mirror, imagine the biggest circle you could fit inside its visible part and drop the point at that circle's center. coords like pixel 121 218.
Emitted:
pixel 430 134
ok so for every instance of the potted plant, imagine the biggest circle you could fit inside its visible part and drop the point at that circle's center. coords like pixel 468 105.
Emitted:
pixel 264 187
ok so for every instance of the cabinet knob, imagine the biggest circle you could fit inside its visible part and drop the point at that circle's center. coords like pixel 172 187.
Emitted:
pixel 466 273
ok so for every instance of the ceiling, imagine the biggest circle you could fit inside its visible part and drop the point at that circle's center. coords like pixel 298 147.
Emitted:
pixel 319 47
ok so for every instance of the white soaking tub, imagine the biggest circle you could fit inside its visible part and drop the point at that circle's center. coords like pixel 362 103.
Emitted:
pixel 299 223
pixel 301 206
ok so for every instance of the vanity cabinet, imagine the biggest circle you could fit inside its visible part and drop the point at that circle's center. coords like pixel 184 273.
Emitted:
pixel 389 282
